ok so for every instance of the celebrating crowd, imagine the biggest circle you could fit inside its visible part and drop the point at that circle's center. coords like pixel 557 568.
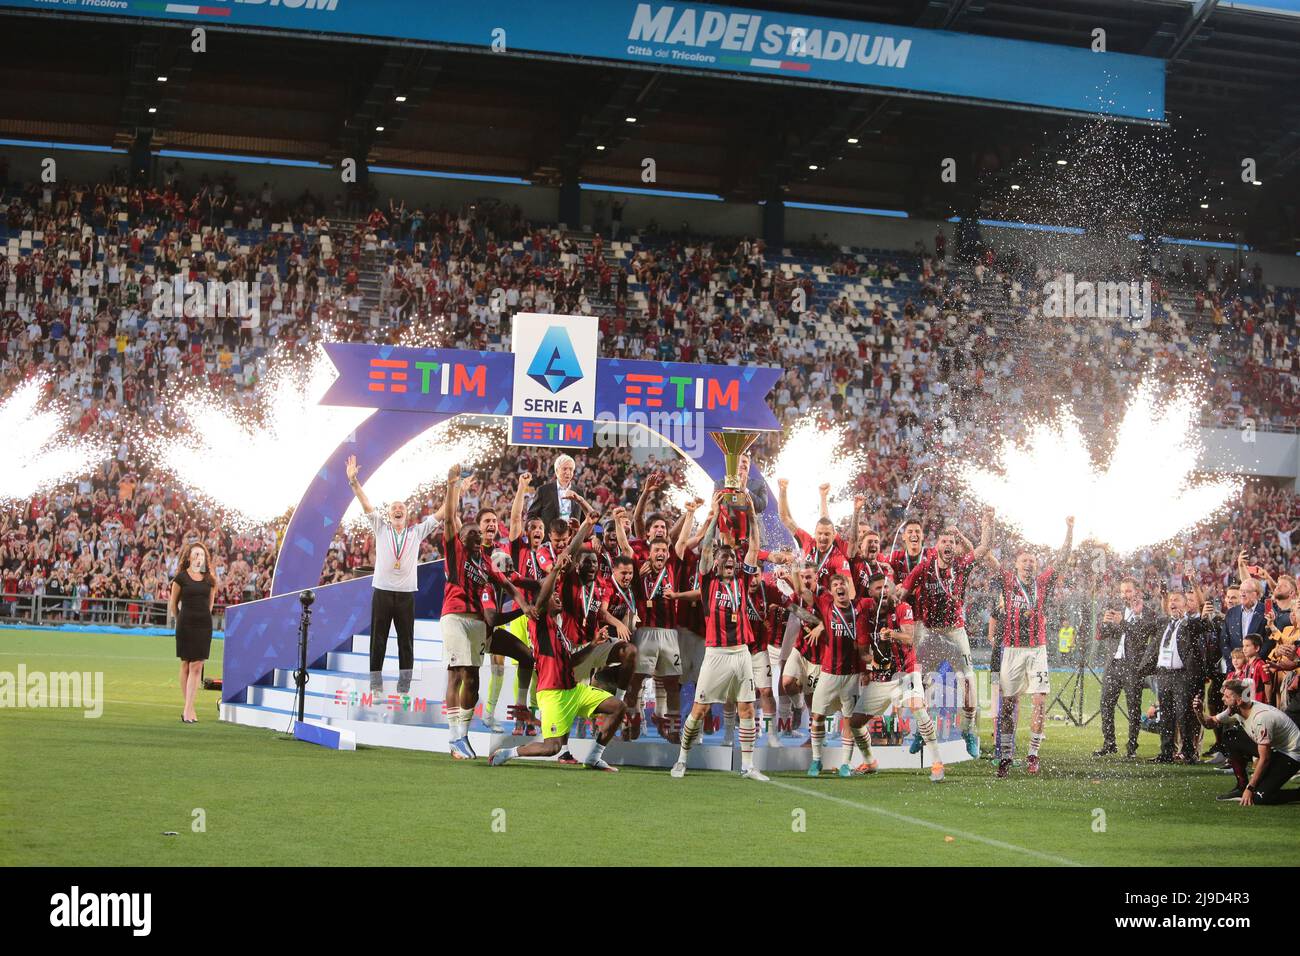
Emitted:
pixel 916 384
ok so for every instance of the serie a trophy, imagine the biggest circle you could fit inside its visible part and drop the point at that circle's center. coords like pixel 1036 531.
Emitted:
pixel 733 445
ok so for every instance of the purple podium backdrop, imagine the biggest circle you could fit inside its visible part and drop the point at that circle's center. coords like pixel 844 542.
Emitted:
pixel 414 389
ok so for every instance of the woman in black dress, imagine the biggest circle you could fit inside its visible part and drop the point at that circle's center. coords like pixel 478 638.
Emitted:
pixel 194 590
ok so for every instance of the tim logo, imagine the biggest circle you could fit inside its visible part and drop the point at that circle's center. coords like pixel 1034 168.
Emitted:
pixel 551 431
pixel 555 365
pixel 72 909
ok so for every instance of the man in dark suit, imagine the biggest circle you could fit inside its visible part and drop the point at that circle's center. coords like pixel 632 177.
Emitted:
pixel 1245 618
pixel 1176 656
pixel 1127 633
pixel 551 501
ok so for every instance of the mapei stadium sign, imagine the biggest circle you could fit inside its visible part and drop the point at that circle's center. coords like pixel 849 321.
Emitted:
pixel 689 36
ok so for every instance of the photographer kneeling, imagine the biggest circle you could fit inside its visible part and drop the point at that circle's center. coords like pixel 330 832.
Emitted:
pixel 1277 746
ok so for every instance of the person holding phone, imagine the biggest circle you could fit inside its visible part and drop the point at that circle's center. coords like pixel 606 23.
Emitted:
pixel 1272 736
pixel 1246 618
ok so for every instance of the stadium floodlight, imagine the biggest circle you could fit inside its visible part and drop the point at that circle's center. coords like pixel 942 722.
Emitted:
pixel 162 79
pixel 379 129
pixel 629 119
pixel 813 167
pixel 1015 186
pixel 853 140
pixel 600 149
pixel 1205 205
pixel 399 99
pixel 153 109
pixel 1063 162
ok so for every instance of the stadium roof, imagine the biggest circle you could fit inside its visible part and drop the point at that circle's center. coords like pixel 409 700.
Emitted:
pixel 1230 95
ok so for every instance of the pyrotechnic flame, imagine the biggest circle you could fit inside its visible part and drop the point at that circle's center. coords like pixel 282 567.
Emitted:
pixel 1144 496
pixel 692 482
pixel 254 464
pixel 422 465
pixel 39 451
pixel 812 455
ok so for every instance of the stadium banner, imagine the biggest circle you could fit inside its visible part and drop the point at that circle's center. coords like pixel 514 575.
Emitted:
pixel 656 395
pixel 705 37
pixel 554 400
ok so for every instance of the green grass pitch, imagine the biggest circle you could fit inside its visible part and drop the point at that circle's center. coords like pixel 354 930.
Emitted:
pixel 81 791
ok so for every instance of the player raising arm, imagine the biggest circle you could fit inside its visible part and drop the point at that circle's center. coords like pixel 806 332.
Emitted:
pixel 1026 592
pixel 561 699
pixel 392 602
pixel 727 675
pixel 936 588
pixel 818 548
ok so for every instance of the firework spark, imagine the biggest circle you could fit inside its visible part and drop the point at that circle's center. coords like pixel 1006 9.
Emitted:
pixel 39 451
pixel 1144 496
pixel 254 464
pixel 812 455
pixel 423 463
pixel 691 482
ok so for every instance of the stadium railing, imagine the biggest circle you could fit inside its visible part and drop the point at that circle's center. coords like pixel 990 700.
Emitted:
pixel 45 609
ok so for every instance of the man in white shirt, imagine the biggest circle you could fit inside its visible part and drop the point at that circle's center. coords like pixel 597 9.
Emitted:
pixel 397 550
pixel 1277 741
pixel 1176 657
pixel 1131 629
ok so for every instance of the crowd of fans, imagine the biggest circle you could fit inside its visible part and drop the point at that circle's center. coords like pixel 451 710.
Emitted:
pixel 963 355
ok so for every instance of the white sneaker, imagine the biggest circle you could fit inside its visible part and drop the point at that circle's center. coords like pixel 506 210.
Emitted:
pixel 599 764
pixel 936 772
pixel 729 737
pixel 774 740
pixel 492 724
pixel 678 771
pixel 753 773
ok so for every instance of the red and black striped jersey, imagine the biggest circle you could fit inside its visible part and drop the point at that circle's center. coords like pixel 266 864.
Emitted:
pixel 763 597
pixel 471 579
pixel 545 556
pixel 1024 614
pixel 890 656
pixel 525 560
pixel 843 629
pixel 690 614
pixel 903 563
pixel 939 594
pixel 552 644
pixel 620 599
pixel 726 621
pixel 581 606
pixel 806 648
pixel 864 568
pixel 828 561
pixel 653 609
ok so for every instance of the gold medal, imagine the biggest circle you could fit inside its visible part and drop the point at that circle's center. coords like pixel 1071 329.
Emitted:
pixel 397 565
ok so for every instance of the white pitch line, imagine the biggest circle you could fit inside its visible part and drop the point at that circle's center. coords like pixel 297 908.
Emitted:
pixel 917 821
pixel 88 657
